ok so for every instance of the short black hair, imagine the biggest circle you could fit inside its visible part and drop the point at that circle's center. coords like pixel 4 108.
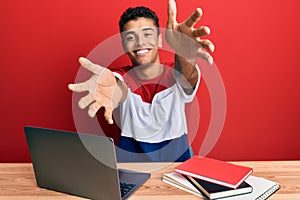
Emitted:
pixel 135 13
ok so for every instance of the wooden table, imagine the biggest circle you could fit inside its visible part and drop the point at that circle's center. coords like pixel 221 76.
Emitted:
pixel 17 181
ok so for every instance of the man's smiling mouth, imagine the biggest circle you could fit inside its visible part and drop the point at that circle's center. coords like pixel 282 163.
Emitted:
pixel 142 52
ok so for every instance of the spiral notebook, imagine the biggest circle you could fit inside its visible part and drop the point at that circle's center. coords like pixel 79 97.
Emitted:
pixel 262 189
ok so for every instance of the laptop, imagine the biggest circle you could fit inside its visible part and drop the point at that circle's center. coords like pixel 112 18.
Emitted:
pixel 79 164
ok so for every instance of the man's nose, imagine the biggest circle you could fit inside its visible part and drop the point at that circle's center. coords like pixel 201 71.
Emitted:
pixel 141 40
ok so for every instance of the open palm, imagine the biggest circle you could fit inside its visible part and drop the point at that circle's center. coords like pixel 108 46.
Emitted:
pixel 185 39
pixel 101 87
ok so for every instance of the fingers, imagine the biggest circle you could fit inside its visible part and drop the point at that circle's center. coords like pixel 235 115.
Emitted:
pixel 207 44
pixel 87 64
pixel 108 115
pixel 194 18
pixel 85 101
pixel 93 109
pixel 201 31
pixel 79 87
pixel 172 12
pixel 205 56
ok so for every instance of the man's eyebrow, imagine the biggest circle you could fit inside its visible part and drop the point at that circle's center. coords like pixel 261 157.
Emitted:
pixel 132 32
pixel 128 32
pixel 146 29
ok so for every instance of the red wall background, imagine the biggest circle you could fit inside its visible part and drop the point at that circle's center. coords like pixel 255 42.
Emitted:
pixel 257 47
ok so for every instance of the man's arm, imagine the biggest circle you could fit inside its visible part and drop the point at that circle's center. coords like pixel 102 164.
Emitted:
pixel 186 74
pixel 105 90
pixel 188 45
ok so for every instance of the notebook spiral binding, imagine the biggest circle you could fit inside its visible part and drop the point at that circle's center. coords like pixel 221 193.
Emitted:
pixel 269 192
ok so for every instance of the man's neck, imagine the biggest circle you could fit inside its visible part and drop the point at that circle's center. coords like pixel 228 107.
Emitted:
pixel 147 72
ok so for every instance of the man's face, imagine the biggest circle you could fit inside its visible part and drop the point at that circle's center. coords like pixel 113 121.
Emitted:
pixel 140 41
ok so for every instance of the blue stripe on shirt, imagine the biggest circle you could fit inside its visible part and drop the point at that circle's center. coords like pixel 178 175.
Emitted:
pixel 175 150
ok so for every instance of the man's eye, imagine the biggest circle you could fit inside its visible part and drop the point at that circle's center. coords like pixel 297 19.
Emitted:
pixel 148 34
pixel 130 38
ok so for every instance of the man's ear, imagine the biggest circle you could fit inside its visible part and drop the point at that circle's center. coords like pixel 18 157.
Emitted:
pixel 159 40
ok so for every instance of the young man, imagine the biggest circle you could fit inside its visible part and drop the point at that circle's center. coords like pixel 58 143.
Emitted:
pixel 151 95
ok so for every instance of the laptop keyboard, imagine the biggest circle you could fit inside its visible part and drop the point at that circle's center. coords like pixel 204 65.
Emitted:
pixel 125 188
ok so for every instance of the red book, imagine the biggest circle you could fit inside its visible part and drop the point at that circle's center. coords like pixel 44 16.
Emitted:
pixel 214 171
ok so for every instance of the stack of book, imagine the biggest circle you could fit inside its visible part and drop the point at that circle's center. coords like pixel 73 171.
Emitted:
pixel 214 179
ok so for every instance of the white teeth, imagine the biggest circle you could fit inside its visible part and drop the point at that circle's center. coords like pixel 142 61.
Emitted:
pixel 142 51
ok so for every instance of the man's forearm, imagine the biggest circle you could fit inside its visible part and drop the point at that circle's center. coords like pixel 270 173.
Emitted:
pixel 187 72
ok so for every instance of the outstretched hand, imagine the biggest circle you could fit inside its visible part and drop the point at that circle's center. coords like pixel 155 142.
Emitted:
pixel 101 87
pixel 185 39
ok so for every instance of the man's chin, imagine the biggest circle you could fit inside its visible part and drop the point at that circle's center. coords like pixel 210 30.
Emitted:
pixel 142 63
